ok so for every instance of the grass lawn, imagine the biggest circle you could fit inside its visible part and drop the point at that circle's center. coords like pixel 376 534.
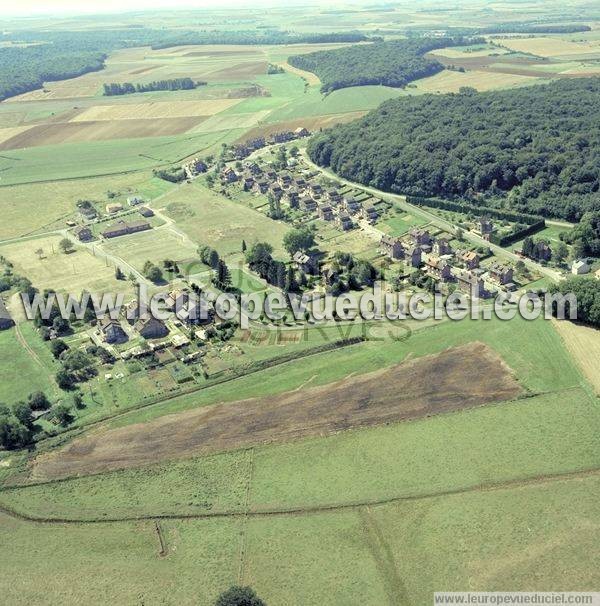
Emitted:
pixel 213 220
pixel 20 204
pixel 71 273
pixel 399 223
pixel 154 245
pixel 20 374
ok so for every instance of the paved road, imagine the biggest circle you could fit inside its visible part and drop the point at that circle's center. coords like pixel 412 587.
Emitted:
pixel 401 202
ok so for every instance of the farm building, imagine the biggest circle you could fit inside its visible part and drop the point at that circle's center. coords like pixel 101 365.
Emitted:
pixel 6 320
pixel 438 268
pixel 146 212
pixel 121 228
pixel 134 201
pixel 83 233
pixel 501 273
pixel 420 237
pixel 111 209
pixel 469 257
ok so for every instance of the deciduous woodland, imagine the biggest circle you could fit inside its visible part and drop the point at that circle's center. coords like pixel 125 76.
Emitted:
pixel 533 149
pixel 388 63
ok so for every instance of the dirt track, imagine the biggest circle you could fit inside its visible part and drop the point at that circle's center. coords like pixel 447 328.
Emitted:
pixel 458 378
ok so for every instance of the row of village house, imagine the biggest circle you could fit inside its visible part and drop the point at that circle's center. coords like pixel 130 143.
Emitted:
pixel 301 193
pixel 243 150
pixel 442 262
pixel 185 310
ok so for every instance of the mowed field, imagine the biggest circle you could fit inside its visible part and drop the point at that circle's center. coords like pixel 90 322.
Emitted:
pixel 552 47
pixel 72 273
pixel 398 393
pixel 449 81
pixel 213 220
pixel 20 205
pixel 583 342
pixel 154 245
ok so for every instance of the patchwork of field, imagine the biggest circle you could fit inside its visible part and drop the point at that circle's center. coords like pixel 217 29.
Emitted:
pixel 552 47
pixel 448 81
pixel 155 110
pixel 41 261
pixel 398 393
pixel 100 130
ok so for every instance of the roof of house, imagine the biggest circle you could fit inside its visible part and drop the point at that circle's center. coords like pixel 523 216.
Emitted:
pixel 4 313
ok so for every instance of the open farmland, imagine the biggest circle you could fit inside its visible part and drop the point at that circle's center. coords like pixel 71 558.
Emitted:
pixel 552 47
pixel 452 81
pixel 51 268
pixel 19 205
pixel 367 400
pixel 583 342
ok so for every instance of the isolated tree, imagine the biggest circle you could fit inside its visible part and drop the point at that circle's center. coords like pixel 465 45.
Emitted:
pixel 57 347
pixel 119 275
pixel 239 596
pixel 152 272
pixel 40 253
pixel 38 401
pixel 63 414
pixel 23 414
pixel 78 400
pixel 66 246
pixel 213 259
pixel 302 238
pixel 561 252
pixel 64 379
pixel 223 275
pixel 244 247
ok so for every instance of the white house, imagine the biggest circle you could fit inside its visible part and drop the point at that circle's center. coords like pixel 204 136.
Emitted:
pixel 580 267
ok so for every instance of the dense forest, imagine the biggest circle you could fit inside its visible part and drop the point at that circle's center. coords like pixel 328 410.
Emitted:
pixel 389 63
pixel 534 149
pixel 25 69
pixel 59 55
pixel 127 88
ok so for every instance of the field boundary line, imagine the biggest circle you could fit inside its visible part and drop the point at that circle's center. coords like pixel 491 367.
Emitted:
pixel 314 509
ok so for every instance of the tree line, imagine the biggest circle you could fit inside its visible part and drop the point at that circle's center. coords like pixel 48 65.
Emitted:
pixel 394 63
pixel 534 150
pixel 128 88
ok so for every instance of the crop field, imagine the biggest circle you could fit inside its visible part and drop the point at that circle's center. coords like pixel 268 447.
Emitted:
pixel 42 261
pixel 368 400
pixel 583 342
pixel 212 220
pixel 320 552
pixel 449 81
pixel 553 47
pixel 475 50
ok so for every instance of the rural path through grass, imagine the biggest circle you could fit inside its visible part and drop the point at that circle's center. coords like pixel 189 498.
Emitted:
pixel 23 342
pixel 316 509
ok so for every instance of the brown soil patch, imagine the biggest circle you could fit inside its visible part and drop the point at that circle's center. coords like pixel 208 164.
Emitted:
pixel 102 130
pixel 455 379
pixel 240 70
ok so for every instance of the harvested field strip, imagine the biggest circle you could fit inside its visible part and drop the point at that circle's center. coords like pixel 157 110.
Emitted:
pixel 311 78
pixel 327 508
pixel 583 342
pixel 101 130
pixel 155 110
pixel 465 377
